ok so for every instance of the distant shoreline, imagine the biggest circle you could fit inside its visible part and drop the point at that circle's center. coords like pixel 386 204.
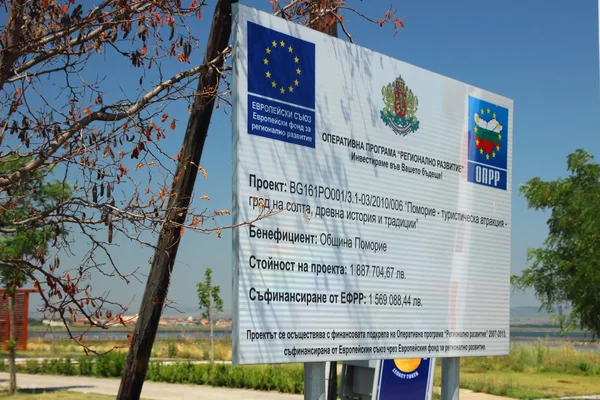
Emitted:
pixel 39 328
pixel 121 328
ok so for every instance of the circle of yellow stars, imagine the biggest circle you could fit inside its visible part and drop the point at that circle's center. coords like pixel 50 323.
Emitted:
pixel 487 156
pixel 268 75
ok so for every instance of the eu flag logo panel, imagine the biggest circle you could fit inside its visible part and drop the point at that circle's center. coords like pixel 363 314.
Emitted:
pixel 281 86
pixel 488 143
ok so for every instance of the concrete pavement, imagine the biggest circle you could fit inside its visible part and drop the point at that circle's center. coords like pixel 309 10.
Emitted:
pixel 168 391
pixel 151 390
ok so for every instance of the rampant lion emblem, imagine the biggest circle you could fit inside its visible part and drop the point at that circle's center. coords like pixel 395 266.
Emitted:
pixel 400 107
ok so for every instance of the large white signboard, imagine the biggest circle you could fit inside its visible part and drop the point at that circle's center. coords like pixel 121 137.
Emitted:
pixel 392 187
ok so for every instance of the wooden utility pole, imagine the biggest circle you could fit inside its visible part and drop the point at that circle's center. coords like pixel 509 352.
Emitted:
pixel 157 285
pixel 323 24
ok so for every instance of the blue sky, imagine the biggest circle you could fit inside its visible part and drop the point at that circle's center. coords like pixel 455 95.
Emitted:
pixel 541 54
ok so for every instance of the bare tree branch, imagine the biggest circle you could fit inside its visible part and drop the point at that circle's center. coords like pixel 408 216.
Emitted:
pixel 9 54
pixel 17 176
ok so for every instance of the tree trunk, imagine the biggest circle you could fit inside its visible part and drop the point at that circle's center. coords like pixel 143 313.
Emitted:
pixel 212 342
pixel 12 386
pixel 157 285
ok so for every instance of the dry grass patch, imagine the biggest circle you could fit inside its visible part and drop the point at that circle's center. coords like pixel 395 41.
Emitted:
pixel 186 349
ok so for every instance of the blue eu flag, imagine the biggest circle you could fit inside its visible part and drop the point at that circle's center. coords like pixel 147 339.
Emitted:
pixel 280 66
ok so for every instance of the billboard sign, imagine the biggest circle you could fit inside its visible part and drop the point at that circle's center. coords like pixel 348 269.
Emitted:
pixel 391 192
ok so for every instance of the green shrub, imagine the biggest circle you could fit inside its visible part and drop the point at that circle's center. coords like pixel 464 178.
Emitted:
pixel 172 349
pixel 67 367
pixel 48 367
pixel 110 365
pixel 583 366
pixel 540 353
pixel 32 367
pixel 86 367
pixel 282 378
pixel 153 373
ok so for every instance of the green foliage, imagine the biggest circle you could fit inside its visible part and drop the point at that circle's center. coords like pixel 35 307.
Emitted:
pixel 110 365
pixel 210 301
pixel 85 366
pixel 564 271
pixel 32 367
pixel 172 349
pixel 57 366
pixel 564 322
pixel 11 343
pixel 282 378
pixel 27 229
pixel 209 296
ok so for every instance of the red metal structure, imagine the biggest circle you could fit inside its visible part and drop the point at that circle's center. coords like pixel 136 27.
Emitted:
pixel 21 310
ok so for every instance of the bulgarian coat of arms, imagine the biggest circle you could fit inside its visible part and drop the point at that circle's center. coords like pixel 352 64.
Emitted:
pixel 400 107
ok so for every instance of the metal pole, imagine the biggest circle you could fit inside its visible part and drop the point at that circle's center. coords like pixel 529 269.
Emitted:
pixel 314 381
pixel 450 378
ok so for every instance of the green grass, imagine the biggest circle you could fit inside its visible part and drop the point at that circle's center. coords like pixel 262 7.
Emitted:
pixel 531 386
pixel 532 372
pixel 539 358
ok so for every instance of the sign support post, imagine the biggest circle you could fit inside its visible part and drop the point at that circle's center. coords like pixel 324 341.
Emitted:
pixel 450 378
pixel 315 374
pixel 314 380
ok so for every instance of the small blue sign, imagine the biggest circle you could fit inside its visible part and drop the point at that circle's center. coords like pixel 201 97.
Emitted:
pixel 268 118
pixel 281 86
pixel 406 379
pixel 488 143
